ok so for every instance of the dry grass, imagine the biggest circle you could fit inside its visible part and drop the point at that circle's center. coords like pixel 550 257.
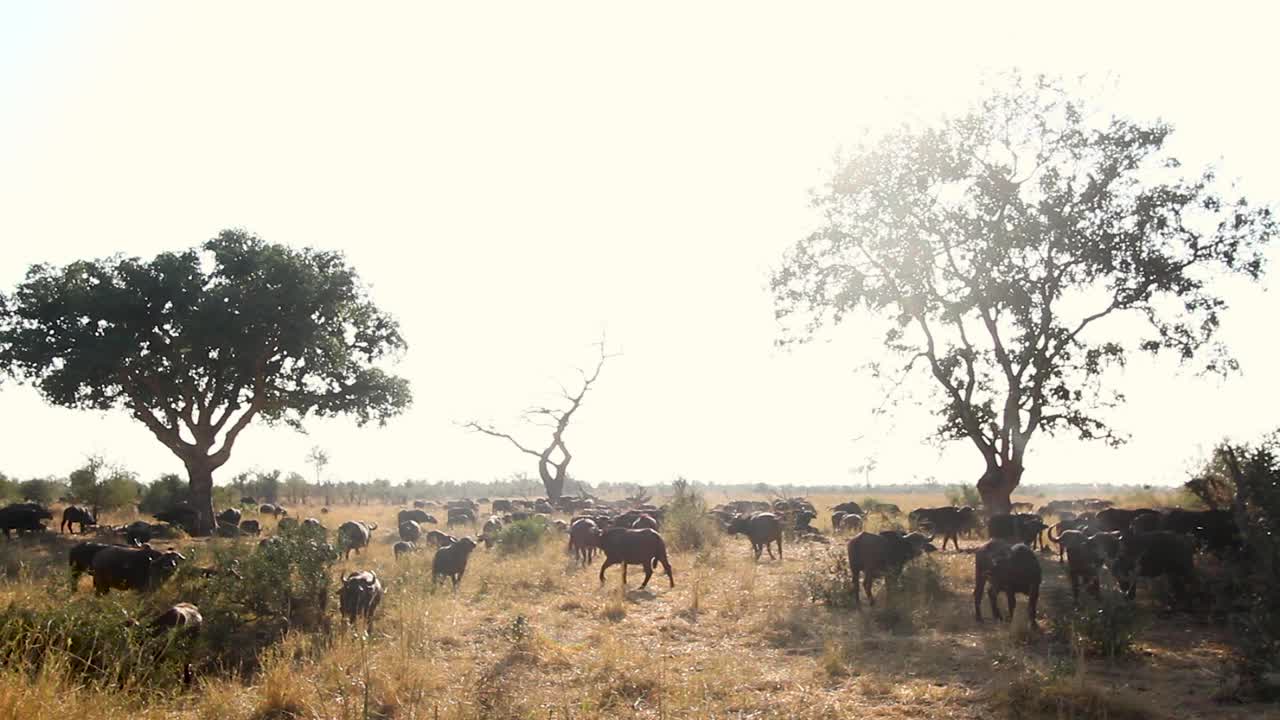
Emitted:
pixel 533 635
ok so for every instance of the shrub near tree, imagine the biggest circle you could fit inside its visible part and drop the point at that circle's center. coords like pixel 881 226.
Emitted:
pixel 198 344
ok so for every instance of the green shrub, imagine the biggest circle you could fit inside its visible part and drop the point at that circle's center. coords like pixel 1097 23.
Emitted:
pixel 94 641
pixel 1100 628
pixel 686 526
pixel 829 582
pixel 963 495
pixel 521 536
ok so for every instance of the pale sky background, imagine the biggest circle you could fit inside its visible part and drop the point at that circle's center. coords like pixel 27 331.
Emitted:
pixel 512 179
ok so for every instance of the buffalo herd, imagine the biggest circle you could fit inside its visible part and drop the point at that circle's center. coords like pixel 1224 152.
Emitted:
pixel 1086 535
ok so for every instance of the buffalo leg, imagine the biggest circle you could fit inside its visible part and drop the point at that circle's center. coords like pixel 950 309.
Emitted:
pixel 857 598
pixel 979 583
pixel 624 574
pixel 992 594
pixel 607 562
pixel 867 585
pixel 1032 599
pixel 648 573
pixel 1013 602
pixel 779 547
pixel 767 546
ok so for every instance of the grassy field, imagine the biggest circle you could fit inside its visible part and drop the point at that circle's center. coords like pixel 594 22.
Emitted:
pixel 532 635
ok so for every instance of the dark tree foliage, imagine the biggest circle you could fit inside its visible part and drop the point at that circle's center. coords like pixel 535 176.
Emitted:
pixel 1245 479
pixel 1017 252
pixel 196 345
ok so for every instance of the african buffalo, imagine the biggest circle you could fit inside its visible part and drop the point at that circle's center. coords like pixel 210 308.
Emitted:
pixel 1010 570
pixel 879 554
pixel 354 535
pixel 74 515
pixel 23 517
pixel 440 539
pixel 762 529
pixel 183 616
pixel 947 521
pixel 641 547
pixel 584 538
pixel 1112 518
pixel 402 547
pixel 461 516
pixel 250 527
pixel 451 561
pixel 359 596
pixel 80 558
pixel 1152 555
pixel 409 531
pixel 230 516
pixel 126 568
pixel 415 515
pixel 183 516
pixel 849 507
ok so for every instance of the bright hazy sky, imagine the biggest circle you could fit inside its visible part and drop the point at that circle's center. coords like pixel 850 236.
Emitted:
pixel 514 179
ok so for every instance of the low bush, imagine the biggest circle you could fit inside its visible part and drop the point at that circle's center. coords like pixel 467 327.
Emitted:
pixel 829 582
pixel 686 526
pixel 521 536
pixel 1106 628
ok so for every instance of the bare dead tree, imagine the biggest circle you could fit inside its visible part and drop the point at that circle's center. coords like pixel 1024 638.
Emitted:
pixel 553 460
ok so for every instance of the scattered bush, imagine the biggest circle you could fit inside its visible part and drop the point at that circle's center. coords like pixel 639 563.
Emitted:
pixel 829 582
pixel 521 536
pixel 1106 628
pixel 962 495
pixel 1032 695
pixel 686 526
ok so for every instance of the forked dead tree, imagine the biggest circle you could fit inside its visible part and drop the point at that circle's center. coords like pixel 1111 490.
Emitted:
pixel 553 460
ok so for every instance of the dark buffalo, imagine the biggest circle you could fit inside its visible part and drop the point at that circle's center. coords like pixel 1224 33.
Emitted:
pixel 1024 528
pixel 23 517
pixel 81 559
pixel 409 531
pixel 250 527
pixel 183 616
pixel 415 515
pixel 359 596
pixel 946 521
pixel 183 516
pixel 879 554
pixel 419 504
pixel 272 509
pixel 635 547
pixel 762 529
pixel 849 507
pixel 1010 570
pixel 440 539
pixel 584 538
pixel 1152 555
pixel 246 500
pixel 74 515
pixel 139 532
pixel 850 521
pixel 1214 530
pixel 461 516
pixel 1111 518
pixel 451 560
pixel 126 568
pixel 501 506
pixel 402 547
pixel 1085 557
pixel 643 521
pixel 230 516
pixel 354 535
pixel 1145 523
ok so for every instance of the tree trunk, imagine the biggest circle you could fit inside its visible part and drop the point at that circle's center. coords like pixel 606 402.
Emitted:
pixel 201 476
pixel 554 484
pixel 996 488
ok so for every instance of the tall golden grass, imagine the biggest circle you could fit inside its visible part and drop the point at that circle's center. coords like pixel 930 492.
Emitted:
pixel 532 635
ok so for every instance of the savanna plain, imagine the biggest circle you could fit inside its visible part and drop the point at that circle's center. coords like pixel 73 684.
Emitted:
pixel 530 633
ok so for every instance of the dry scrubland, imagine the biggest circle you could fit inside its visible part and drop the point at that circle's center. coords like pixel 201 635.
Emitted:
pixel 532 635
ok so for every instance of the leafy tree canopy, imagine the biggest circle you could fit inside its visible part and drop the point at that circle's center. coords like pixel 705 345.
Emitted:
pixel 197 344
pixel 1004 246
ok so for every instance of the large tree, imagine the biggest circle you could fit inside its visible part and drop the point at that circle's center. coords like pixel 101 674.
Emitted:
pixel 554 457
pixel 196 345
pixel 1016 252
